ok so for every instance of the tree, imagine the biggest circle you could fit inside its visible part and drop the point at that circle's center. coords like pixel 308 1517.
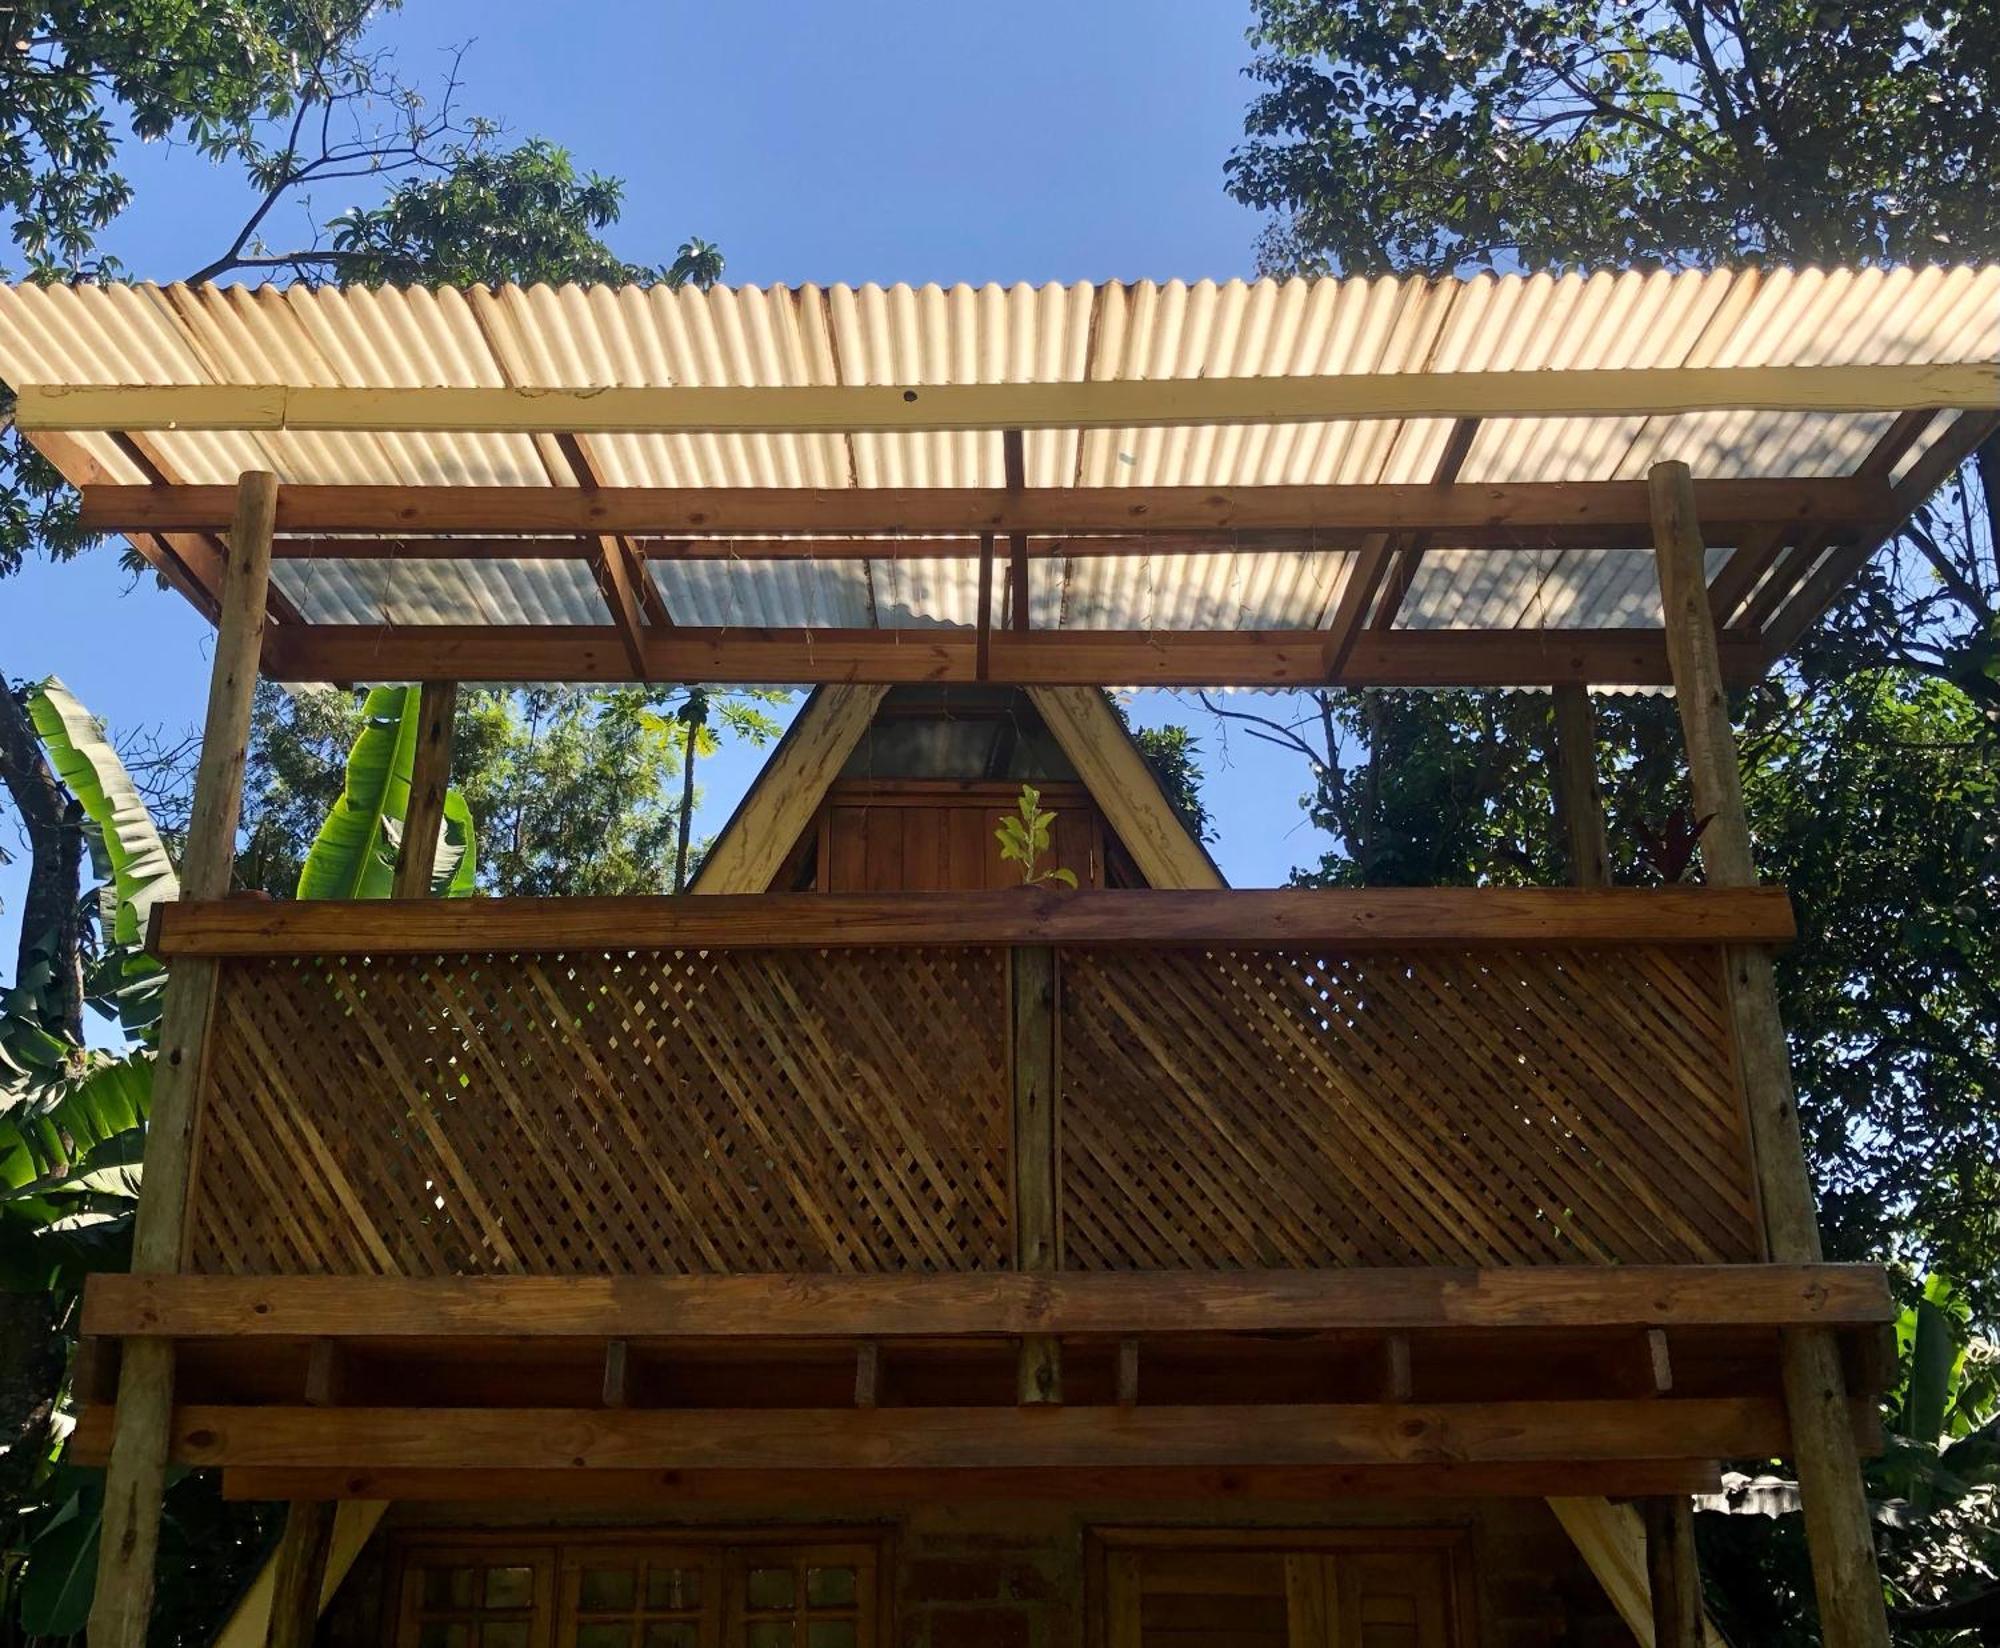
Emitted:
pixel 1468 133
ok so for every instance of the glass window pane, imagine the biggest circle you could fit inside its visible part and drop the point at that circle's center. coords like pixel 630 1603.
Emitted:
pixel 510 1587
pixel 771 1588
pixel 608 1588
pixel 673 1633
pixel 830 1587
pixel 504 1633
pixel 830 1633
pixel 604 1634
pixel 445 1636
pixel 673 1588
pixel 448 1587
pixel 770 1633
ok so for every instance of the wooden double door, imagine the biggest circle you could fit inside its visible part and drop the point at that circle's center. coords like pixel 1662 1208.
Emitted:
pixel 1397 1589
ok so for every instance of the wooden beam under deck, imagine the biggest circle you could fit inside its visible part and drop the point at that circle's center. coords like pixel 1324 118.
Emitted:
pixel 1121 403
pixel 997 1304
pixel 1036 658
pixel 1521 510
pixel 1042 1437
pixel 893 1488
pixel 1269 918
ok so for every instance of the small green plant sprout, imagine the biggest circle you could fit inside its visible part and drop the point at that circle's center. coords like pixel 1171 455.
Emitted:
pixel 1024 839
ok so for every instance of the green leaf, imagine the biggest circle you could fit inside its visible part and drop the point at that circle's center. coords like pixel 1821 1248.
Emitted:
pixel 354 854
pixel 124 843
pixel 61 1568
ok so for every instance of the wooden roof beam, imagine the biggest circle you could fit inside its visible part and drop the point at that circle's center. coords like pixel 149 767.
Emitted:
pixel 1403 574
pixel 1399 658
pixel 1128 403
pixel 1519 511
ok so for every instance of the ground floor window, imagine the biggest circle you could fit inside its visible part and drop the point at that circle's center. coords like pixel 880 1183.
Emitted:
pixel 1197 1588
pixel 641 1591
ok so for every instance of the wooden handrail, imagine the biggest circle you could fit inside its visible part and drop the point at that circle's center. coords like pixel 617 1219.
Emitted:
pixel 1387 918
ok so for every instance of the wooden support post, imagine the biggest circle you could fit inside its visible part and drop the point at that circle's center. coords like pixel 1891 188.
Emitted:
pixel 1032 994
pixel 300 1571
pixel 1838 1533
pixel 1659 1362
pixel 867 1373
pixel 1579 800
pixel 617 1392
pixel 1397 1385
pixel 1128 1373
pixel 1671 1572
pixel 136 1478
pixel 430 777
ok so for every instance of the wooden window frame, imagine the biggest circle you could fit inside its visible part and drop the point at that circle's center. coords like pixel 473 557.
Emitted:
pixel 558 1555
pixel 1454 1540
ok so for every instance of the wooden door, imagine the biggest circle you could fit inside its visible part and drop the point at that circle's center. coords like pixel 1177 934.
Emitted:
pixel 1342 1591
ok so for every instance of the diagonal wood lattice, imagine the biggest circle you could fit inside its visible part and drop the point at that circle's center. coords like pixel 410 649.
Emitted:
pixel 1268 1108
pixel 645 1113
pixel 846 1110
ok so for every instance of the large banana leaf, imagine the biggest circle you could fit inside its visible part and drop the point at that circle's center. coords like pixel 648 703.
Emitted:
pixel 125 847
pixel 354 854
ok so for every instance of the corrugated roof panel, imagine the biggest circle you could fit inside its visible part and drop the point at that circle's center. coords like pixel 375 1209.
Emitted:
pixel 578 337
pixel 1537 589
pixel 417 591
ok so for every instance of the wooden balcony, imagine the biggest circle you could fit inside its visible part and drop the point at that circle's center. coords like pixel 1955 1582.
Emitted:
pixel 1451 1179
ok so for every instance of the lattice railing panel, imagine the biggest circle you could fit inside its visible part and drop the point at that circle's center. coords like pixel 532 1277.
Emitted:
pixel 776 1110
pixel 1270 1108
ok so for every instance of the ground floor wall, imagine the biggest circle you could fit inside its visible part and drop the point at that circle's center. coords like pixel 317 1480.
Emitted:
pixel 1034 1575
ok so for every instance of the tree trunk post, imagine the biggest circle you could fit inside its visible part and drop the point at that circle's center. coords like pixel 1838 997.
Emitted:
pixel 1838 1532
pixel 430 778
pixel 136 1478
pixel 1579 799
pixel 1033 973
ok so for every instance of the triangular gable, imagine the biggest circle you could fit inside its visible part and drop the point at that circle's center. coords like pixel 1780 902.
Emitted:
pixel 761 832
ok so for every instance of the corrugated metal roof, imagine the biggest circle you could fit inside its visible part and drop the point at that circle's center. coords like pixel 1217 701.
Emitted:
pixel 749 336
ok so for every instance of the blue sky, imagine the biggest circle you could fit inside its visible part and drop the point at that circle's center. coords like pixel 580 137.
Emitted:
pixel 878 140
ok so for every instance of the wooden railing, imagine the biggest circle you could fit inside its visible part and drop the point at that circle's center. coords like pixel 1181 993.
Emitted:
pixel 821 1084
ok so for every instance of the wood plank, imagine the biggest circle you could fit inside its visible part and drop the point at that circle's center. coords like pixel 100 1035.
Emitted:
pixel 136 1480
pixel 1464 507
pixel 580 653
pixel 355 1522
pixel 1839 1535
pixel 1124 787
pixel 1372 918
pixel 1044 1437
pixel 902 1488
pixel 1035 1213
pixel 1123 403
pixel 299 1572
pixel 1672 1572
pixel 788 790
pixel 430 779
pixel 1612 1539
pixel 1579 798
pixel 994 1305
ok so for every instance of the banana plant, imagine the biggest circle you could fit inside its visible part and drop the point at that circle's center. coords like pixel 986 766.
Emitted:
pixel 354 854
pixel 126 851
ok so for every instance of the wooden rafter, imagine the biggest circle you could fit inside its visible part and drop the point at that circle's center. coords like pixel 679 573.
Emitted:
pixel 1520 511
pixel 1014 463
pixel 1817 587
pixel 1087 404
pixel 1402 575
